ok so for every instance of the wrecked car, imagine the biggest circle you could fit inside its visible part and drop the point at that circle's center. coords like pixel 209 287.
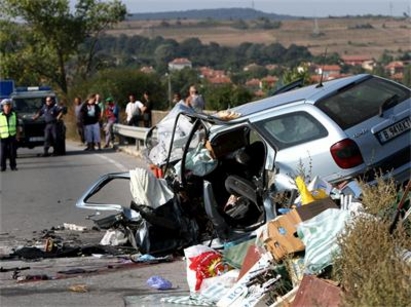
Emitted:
pixel 218 176
pixel 206 195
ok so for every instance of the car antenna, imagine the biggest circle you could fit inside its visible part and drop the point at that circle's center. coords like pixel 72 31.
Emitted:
pixel 322 69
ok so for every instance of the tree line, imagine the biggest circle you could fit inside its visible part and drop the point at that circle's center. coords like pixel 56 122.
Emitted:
pixel 49 42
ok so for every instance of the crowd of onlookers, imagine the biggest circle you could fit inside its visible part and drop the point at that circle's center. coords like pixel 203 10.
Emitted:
pixel 96 116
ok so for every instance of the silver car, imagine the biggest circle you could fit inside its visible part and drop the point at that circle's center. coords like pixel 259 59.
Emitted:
pixel 227 170
pixel 339 130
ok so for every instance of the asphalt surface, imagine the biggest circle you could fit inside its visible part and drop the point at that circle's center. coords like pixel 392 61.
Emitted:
pixel 39 198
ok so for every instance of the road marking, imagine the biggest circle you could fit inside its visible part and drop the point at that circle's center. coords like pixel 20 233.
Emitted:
pixel 119 165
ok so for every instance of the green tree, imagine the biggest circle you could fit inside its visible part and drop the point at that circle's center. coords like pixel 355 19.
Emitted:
pixel 181 80
pixel 163 54
pixel 226 96
pixel 407 75
pixel 52 33
pixel 385 58
pixel 295 74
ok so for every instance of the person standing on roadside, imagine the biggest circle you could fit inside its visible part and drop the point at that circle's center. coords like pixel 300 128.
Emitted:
pixel 79 119
pixel 9 135
pixel 146 109
pixel 196 100
pixel 111 113
pixel 133 111
pixel 51 113
pixel 91 118
pixel 100 103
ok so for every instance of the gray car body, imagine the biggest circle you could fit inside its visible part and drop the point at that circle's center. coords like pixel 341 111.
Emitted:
pixel 315 155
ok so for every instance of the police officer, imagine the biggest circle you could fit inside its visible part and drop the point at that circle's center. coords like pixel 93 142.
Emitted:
pixel 9 135
pixel 52 113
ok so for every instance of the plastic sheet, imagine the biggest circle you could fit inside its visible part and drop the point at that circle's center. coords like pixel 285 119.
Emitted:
pixel 159 283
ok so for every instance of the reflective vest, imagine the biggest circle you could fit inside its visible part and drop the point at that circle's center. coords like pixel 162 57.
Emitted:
pixel 10 128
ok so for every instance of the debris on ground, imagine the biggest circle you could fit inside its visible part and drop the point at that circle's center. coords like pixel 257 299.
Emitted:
pixel 287 262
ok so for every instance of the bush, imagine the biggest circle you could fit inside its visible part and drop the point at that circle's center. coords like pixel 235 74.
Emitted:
pixel 371 266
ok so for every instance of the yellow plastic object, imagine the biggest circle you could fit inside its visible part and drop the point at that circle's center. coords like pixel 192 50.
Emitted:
pixel 306 196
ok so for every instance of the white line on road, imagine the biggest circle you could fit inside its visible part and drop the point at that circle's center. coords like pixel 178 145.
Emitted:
pixel 117 164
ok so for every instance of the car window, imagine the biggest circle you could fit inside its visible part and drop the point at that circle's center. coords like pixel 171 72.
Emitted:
pixel 359 102
pixel 293 129
pixel 28 105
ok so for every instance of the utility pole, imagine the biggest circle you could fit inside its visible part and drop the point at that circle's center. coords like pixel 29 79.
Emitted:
pixel 170 97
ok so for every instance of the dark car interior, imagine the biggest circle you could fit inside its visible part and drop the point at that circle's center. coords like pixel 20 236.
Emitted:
pixel 231 194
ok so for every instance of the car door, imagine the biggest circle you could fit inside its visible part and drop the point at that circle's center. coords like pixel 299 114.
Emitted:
pixel 244 164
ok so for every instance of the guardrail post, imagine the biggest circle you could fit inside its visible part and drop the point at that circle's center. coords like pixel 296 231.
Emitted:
pixel 136 133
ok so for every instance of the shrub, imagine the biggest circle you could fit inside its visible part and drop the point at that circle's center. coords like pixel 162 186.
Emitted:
pixel 371 266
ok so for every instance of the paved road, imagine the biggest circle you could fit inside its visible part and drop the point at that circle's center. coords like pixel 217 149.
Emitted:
pixel 42 194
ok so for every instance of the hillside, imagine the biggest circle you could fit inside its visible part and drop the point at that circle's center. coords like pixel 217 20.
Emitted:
pixel 365 36
pixel 216 14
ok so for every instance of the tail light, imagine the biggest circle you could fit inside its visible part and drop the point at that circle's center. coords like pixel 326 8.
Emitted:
pixel 346 154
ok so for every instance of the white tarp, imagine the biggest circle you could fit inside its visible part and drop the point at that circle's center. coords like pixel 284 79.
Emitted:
pixel 148 190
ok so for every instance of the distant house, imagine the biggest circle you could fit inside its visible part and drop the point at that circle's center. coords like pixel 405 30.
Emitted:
pixel 251 67
pixel 215 77
pixel 219 80
pixel 179 64
pixel 355 60
pixel 270 81
pixel 206 72
pixel 395 67
pixel 271 66
pixel 328 72
pixel 147 69
pixel 369 65
pixel 253 83
pixel 318 78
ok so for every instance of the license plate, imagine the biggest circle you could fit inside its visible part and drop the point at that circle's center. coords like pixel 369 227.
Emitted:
pixel 395 130
pixel 36 139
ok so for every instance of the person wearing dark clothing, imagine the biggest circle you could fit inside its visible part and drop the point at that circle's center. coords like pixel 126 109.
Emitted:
pixel 148 106
pixel 52 114
pixel 91 113
pixel 9 135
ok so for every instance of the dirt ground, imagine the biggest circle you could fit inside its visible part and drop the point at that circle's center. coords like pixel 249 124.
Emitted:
pixel 345 36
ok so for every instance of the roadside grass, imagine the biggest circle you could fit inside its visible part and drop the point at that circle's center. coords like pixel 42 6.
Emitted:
pixel 371 268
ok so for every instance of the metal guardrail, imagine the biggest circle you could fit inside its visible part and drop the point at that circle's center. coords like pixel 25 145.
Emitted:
pixel 137 133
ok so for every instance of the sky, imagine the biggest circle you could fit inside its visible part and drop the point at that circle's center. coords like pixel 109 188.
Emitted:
pixel 305 8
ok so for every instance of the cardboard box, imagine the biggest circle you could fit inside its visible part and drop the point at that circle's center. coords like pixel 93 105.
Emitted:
pixel 306 212
pixel 281 238
pixel 314 291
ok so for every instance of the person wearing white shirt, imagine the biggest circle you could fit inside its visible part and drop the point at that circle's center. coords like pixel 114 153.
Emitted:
pixel 133 111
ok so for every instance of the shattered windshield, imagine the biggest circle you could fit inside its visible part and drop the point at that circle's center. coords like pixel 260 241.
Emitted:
pixel 173 129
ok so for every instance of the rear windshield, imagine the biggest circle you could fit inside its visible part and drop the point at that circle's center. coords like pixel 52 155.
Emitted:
pixel 359 102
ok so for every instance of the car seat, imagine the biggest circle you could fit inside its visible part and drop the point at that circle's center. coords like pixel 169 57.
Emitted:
pixel 251 158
